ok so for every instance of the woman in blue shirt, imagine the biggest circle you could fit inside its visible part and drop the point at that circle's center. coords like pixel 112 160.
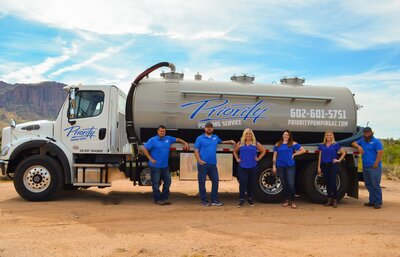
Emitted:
pixel 284 152
pixel 328 165
pixel 245 153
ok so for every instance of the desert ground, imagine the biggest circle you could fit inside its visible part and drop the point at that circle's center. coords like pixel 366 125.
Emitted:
pixel 123 221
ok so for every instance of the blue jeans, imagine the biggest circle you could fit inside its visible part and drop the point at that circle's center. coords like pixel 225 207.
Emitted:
pixel 211 171
pixel 330 171
pixel 247 181
pixel 372 180
pixel 158 174
pixel 288 176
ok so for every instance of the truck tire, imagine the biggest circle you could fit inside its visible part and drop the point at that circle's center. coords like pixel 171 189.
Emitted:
pixel 38 178
pixel 268 188
pixel 314 187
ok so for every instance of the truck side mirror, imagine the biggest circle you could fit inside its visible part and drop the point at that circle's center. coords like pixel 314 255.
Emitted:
pixel 13 124
pixel 72 106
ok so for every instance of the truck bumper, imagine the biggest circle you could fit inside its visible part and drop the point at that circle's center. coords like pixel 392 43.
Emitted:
pixel 3 167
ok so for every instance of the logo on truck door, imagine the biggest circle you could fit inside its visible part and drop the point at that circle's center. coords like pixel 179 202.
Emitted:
pixel 219 109
pixel 75 133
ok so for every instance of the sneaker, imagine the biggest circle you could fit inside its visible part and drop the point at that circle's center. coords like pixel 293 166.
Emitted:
pixel 205 203
pixel 241 203
pixel 250 202
pixel 216 203
pixel 377 206
pixel 161 202
pixel 368 204
pixel 167 202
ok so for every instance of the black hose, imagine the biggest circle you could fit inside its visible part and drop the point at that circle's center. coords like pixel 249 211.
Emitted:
pixel 130 129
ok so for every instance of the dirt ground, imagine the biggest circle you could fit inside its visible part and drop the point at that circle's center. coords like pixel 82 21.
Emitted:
pixel 123 221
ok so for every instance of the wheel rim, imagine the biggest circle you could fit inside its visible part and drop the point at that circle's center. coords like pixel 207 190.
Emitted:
pixel 270 183
pixel 320 185
pixel 145 177
pixel 37 179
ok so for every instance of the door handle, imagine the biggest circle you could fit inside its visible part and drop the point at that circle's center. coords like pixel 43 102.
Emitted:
pixel 102 133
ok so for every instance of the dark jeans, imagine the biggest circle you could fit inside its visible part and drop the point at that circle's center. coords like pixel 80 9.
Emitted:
pixel 288 176
pixel 330 171
pixel 211 171
pixel 247 181
pixel 372 180
pixel 158 174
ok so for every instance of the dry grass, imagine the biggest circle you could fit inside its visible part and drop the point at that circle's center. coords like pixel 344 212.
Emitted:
pixel 392 171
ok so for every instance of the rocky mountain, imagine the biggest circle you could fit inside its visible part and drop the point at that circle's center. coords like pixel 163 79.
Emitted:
pixel 26 102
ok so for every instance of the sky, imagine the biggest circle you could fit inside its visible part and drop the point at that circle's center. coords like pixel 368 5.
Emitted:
pixel 353 44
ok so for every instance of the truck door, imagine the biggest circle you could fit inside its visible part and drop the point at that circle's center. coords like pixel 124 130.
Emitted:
pixel 85 126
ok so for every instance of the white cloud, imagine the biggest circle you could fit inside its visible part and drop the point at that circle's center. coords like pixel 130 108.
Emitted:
pixel 35 73
pixel 351 24
pixel 95 58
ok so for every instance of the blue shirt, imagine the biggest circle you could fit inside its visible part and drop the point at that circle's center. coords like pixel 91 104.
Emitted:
pixel 371 149
pixel 247 155
pixel 284 157
pixel 207 147
pixel 159 150
pixel 328 153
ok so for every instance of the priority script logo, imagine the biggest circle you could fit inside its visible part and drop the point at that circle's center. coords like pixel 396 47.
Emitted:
pixel 221 109
pixel 76 133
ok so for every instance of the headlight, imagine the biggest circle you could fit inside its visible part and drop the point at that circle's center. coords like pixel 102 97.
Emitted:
pixel 5 150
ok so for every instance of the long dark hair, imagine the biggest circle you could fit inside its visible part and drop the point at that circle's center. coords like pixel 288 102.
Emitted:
pixel 290 140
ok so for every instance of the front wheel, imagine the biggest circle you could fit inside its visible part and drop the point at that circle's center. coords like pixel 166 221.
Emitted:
pixel 269 188
pixel 38 178
pixel 314 186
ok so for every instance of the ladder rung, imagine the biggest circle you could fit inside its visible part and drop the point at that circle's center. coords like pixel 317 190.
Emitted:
pixel 88 165
pixel 93 184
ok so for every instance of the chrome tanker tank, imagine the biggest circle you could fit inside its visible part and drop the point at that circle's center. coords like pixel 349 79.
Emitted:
pixel 185 106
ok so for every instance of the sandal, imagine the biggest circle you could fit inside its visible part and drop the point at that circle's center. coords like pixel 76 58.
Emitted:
pixel 285 203
pixel 293 205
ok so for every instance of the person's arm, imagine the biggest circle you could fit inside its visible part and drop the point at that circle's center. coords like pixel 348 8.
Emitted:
pixel 274 161
pixel 342 155
pixel 147 154
pixel 378 159
pixel 300 151
pixel 262 151
pixel 197 155
pixel 236 151
pixel 319 163
pixel 185 144
pixel 356 145
pixel 228 142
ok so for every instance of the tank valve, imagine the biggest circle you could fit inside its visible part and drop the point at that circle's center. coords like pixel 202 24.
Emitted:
pixel 243 78
pixel 198 76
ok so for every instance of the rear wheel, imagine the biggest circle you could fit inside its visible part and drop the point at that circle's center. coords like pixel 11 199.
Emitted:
pixel 314 186
pixel 38 178
pixel 269 188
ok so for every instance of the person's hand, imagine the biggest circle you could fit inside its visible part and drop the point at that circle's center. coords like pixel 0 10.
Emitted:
pixel 293 155
pixel 256 158
pixel 361 150
pixel 232 142
pixel 319 171
pixel 238 160
pixel 201 162
pixel 375 165
pixel 274 169
pixel 336 161
pixel 153 161
pixel 186 147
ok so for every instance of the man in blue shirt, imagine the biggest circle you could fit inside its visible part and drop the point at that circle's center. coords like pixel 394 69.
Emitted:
pixel 205 151
pixel 372 151
pixel 157 151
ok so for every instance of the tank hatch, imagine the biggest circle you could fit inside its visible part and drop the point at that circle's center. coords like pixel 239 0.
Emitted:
pixel 243 78
pixel 292 81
